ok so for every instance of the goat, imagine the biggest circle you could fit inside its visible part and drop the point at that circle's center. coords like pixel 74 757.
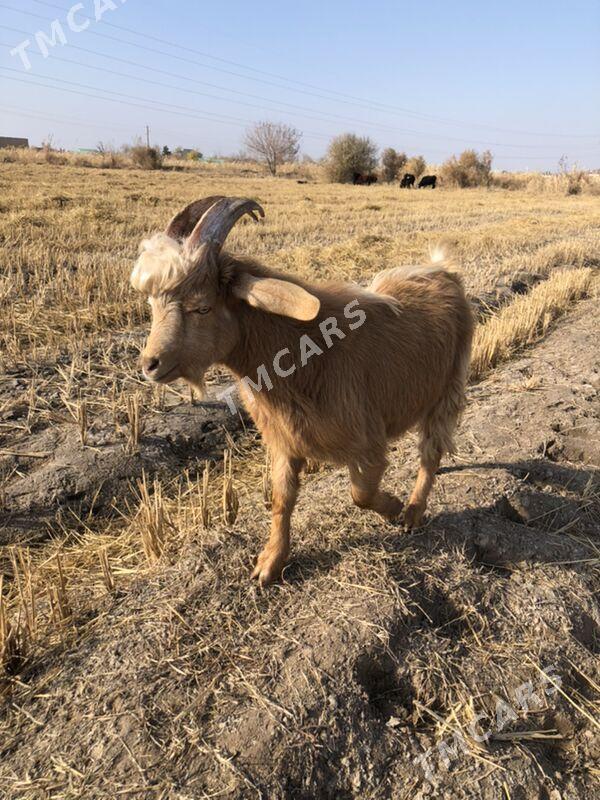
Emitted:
pixel 393 356
pixel 408 181
pixel 427 180
pixel 363 180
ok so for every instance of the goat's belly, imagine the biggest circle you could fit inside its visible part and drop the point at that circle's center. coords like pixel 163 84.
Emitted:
pixel 310 439
pixel 316 436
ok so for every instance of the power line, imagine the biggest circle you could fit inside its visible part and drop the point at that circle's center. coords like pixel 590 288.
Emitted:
pixel 171 108
pixel 181 58
pixel 131 101
pixel 321 118
pixel 354 100
pixel 368 103
pixel 334 117
pixel 42 117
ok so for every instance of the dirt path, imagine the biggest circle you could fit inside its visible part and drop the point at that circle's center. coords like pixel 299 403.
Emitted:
pixel 378 646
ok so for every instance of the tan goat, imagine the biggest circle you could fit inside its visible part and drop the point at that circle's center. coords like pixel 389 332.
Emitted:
pixel 329 372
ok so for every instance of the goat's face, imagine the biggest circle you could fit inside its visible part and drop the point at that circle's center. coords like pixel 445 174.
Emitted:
pixel 190 332
pixel 193 325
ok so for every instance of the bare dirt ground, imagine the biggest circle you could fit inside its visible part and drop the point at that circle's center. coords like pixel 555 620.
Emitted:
pixel 458 661
pixel 376 639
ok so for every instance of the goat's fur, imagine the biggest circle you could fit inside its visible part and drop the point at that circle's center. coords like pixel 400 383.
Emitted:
pixel 160 266
pixel 405 367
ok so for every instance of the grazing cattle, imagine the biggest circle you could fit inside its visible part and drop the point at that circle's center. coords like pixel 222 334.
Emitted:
pixel 428 180
pixel 363 180
pixel 408 181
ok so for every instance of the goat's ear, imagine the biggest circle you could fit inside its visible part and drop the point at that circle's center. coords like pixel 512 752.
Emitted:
pixel 277 296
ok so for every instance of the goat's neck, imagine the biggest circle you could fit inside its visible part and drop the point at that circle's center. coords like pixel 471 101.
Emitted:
pixel 261 336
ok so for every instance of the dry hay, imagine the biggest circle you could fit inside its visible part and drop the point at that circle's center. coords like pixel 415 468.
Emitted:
pixel 139 661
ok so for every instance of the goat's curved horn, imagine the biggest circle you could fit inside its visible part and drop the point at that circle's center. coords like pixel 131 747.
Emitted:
pixel 214 226
pixel 185 221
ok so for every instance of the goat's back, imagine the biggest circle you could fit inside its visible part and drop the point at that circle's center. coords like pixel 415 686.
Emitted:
pixel 380 379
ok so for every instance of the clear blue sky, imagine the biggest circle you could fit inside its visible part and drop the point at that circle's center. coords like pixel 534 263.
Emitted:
pixel 519 78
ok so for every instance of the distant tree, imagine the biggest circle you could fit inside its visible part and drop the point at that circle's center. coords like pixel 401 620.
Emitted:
pixel 193 155
pixel 273 143
pixel 469 169
pixel 415 166
pixel 391 164
pixel 110 158
pixel 49 143
pixel 165 151
pixel 348 154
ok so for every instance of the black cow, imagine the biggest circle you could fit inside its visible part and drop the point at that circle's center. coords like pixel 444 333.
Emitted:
pixel 428 180
pixel 408 181
pixel 363 180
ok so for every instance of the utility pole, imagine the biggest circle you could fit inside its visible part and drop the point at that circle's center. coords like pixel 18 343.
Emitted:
pixel 148 136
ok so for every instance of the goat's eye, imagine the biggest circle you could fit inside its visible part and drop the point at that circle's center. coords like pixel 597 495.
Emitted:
pixel 202 310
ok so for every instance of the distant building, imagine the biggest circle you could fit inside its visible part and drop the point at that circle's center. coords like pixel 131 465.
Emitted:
pixel 13 141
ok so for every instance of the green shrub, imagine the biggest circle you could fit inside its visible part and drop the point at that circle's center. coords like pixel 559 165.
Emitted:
pixel 348 154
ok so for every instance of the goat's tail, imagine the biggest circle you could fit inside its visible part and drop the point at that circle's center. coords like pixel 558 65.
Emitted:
pixel 440 261
pixel 442 257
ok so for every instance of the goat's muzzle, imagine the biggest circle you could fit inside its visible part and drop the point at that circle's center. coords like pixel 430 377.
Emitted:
pixel 158 370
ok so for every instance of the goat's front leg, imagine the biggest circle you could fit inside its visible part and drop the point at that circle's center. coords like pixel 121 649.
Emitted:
pixel 365 479
pixel 285 478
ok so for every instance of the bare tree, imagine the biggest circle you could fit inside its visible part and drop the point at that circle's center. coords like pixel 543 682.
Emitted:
pixel 391 164
pixel 416 166
pixel 274 143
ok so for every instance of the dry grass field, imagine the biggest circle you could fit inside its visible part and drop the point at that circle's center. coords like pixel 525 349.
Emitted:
pixel 136 657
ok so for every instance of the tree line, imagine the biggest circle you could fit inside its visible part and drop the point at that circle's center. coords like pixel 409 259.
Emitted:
pixel 348 154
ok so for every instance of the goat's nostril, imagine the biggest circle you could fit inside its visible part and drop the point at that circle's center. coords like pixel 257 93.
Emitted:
pixel 151 364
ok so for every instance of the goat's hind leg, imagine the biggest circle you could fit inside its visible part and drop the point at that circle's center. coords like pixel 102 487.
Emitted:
pixel 436 439
pixel 430 461
pixel 365 478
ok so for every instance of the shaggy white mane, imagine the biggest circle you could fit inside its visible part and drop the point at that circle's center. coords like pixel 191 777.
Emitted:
pixel 160 265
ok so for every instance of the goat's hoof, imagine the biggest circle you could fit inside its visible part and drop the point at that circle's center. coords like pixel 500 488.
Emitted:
pixel 413 516
pixel 269 566
pixel 393 509
pixel 387 505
